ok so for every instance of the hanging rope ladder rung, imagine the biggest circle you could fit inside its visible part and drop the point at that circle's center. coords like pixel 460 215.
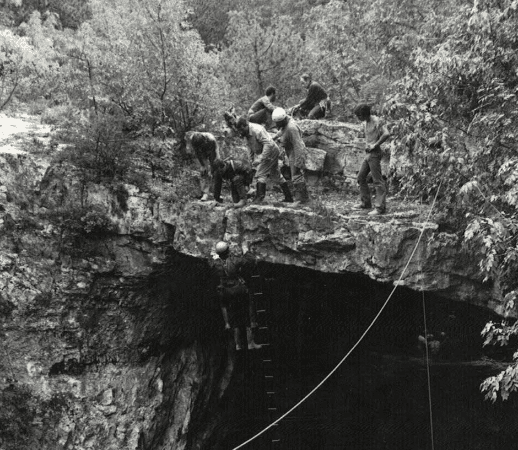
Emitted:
pixel 262 306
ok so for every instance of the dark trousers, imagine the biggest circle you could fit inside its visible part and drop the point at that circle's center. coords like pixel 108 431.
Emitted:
pixel 237 187
pixel 372 164
pixel 262 116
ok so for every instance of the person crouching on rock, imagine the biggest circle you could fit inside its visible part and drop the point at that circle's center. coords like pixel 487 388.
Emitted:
pixel 264 157
pixel 236 306
pixel 239 176
pixel 205 147
pixel 290 137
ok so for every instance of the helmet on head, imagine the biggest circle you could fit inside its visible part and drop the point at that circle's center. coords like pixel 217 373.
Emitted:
pixel 221 247
pixel 279 114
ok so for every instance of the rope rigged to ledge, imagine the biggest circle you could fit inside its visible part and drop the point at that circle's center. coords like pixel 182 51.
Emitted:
pixel 264 430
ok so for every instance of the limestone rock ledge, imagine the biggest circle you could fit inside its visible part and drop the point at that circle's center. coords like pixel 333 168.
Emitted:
pixel 379 247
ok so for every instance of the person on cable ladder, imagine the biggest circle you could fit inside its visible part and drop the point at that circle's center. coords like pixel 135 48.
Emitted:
pixel 237 307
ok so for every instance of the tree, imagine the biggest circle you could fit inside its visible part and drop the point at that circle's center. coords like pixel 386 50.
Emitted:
pixel 26 62
pixel 259 54
pixel 456 118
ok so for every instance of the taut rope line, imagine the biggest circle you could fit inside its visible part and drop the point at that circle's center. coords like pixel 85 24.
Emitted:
pixel 264 430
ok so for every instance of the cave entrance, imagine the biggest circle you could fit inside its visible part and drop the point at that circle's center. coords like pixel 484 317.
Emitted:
pixel 378 399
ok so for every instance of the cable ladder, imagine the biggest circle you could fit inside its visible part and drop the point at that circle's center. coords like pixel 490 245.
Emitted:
pixel 262 304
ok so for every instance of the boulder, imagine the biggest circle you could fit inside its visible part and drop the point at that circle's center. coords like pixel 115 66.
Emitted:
pixel 343 143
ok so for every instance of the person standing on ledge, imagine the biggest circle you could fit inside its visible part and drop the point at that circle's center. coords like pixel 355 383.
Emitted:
pixel 264 157
pixel 376 132
pixel 236 306
pixel 290 137
pixel 261 111
pixel 205 147
pixel 316 103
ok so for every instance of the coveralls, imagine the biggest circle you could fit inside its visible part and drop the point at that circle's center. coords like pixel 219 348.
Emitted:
pixel 263 154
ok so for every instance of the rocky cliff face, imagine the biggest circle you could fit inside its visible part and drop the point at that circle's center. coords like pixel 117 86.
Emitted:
pixel 108 336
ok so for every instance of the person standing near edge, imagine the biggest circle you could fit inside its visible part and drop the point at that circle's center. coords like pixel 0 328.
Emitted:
pixel 205 147
pixel 264 157
pixel 290 137
pixel 376 132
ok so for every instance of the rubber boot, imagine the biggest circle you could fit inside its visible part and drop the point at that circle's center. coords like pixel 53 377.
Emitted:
pixel 250 339
pixel 240 203
pixel 204 197
pixel 237 338
pixel 260 192
pixel 301 192
pixel 287 194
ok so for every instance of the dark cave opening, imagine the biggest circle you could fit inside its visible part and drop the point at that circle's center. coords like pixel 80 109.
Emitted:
pixel 379 398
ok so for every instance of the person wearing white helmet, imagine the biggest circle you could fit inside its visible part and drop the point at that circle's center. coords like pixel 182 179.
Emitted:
pixel 290 137
pixel 236 306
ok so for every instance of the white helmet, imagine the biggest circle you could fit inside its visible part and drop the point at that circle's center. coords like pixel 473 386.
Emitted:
pixel 221 247
pixel 278 115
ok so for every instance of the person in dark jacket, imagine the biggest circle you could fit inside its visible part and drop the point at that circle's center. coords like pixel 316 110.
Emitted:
pixel 316 103
pixel 238 174
pixel 236 306
pixel 261 111
pixel 205 147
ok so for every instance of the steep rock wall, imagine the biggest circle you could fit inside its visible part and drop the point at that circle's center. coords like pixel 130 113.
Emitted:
pixel 102 344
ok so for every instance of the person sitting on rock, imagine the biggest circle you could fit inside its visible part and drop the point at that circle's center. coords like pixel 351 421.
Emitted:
pixel 238 174
pixel 264 158
pixel 236 306
pixel 261 111
pixel 316 104
pixel 205 147
pixel 290 137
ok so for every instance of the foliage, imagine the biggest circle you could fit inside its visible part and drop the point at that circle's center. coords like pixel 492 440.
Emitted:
pixel 25 63
pixel 100 148
pixel 259 54
pixel 455 117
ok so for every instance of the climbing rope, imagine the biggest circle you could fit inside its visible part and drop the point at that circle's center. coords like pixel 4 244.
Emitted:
pixel 428 372
pixel 264 430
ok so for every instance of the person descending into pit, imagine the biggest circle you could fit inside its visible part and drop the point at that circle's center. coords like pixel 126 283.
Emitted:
pixel 238 174
pixel 376 132
pixel 264 158
pixel 205 147
pixel 316 103
pixel 261 111
pixel 290 137
pixel 236 306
